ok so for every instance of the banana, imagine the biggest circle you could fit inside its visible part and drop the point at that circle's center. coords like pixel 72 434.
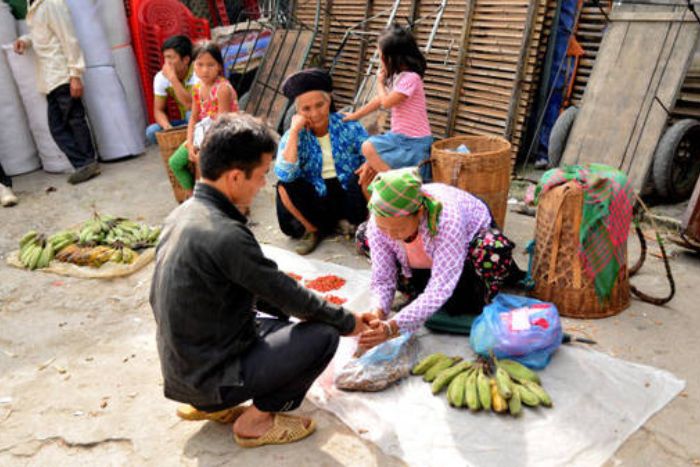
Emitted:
pixel 117 256
pixel 498 403
pixel 445 376
pixel 455 391
pixel 528 397
pixel 425 364
pixel 47 254
pixel 515 406
pixel 484 389
pixel 471 396
pixel 504 383
pixel 518 371
pixel 442 363
pixel 129 255
pixel 28 237
pixel 33 258
pixel 153 235
pixel 24 251
pixel 539 391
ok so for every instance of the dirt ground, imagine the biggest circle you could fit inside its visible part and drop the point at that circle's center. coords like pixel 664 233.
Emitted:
pixel 80 380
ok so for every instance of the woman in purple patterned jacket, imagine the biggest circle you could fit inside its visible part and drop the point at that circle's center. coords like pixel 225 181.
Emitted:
pixel 442 240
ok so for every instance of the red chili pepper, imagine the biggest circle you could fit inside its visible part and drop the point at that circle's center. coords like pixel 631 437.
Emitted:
pixel 296 277
pixel 325 283
pixel 334 299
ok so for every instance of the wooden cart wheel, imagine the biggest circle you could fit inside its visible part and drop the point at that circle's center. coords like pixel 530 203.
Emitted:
pixel 676 164
pixel 560 134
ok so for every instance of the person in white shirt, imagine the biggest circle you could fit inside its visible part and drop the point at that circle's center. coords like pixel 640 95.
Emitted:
pixel 60 66
pixel 175 80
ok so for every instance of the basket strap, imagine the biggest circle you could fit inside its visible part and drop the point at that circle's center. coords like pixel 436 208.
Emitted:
pixel 578 215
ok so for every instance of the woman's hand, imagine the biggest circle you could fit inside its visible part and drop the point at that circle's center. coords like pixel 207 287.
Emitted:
pixel 380 331
pixel 299 122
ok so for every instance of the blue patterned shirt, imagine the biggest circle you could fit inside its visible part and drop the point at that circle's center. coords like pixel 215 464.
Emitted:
pixel 346 143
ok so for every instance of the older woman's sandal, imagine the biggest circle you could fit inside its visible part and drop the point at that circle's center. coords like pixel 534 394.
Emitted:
pixel 285 429
pixel 187 412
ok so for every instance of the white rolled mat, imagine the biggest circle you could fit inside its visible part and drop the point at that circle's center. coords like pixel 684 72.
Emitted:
pixel 127 70
pixel 17 151
pixel 90 33
pixel 24 71
pixel 111 121
pixel 113 17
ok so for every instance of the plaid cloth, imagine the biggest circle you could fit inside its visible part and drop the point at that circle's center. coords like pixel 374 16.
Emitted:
pixel 607 214
pixel 398 193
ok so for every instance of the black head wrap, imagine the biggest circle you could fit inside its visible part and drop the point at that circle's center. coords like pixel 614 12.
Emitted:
pixel 311 79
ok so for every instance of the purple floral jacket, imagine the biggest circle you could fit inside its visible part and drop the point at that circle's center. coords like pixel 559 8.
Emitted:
pixel 463 216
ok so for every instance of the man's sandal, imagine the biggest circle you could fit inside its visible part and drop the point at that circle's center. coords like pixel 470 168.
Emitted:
pixel 187 412
pixel 285 429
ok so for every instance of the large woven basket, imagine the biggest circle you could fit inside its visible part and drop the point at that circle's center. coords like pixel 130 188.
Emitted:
pixel 168 142
pixel 484 171
pixel 557 266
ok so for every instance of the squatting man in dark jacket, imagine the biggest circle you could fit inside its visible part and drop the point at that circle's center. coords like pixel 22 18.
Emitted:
pixel 210 273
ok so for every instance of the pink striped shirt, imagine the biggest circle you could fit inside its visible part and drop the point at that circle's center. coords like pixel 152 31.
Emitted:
pixel 410 117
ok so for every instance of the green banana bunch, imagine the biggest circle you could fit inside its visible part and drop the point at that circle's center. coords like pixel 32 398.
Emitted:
pixel 518 371
pixel 455 390
pixel 447 375
pixel 484 389
pixel 504 383
pixel 471 396
pixel 425 364
pixel 442 364
pixel 539 391
pixel 515 406
pixel 62 239
pixel 35 251
pixel 528 397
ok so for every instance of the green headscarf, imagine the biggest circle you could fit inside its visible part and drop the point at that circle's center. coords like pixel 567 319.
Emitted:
pixel 397 193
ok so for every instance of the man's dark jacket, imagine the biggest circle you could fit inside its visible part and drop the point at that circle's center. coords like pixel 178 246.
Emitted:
pixel 209 271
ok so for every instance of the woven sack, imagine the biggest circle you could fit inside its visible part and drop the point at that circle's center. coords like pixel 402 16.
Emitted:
pixel 557 266
pixel 483 172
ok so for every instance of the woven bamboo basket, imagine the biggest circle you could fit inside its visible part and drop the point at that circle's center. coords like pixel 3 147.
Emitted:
pixel 168 142
pixel 484 171
pixel 557 266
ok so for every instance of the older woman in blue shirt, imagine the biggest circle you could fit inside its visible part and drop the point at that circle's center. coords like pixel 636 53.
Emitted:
pixel 318 162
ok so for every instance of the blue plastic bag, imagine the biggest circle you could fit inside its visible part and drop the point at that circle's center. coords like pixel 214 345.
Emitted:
pixel 519 328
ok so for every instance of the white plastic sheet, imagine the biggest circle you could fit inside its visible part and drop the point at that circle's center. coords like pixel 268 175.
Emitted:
pixel 24 71
pixel 119 131
pixel 127 71
pixel 599 401
pixel 90 33
pixel 113 19
pixel 111 121
pixel 17 150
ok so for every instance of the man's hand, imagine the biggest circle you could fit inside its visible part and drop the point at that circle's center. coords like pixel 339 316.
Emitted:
pixel 299 122
pixel 169 72
pixel 76 87
pixel 360 325
pixel 20 46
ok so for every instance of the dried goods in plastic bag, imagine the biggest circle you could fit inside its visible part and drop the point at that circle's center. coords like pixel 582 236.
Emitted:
pixel 380 366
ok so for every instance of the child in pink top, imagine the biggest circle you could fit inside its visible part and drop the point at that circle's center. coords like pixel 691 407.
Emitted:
pixel 211 96
pixel 399 88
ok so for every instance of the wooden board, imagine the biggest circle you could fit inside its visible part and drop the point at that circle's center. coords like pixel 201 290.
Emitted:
pixel 639 71
pixel 285 55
